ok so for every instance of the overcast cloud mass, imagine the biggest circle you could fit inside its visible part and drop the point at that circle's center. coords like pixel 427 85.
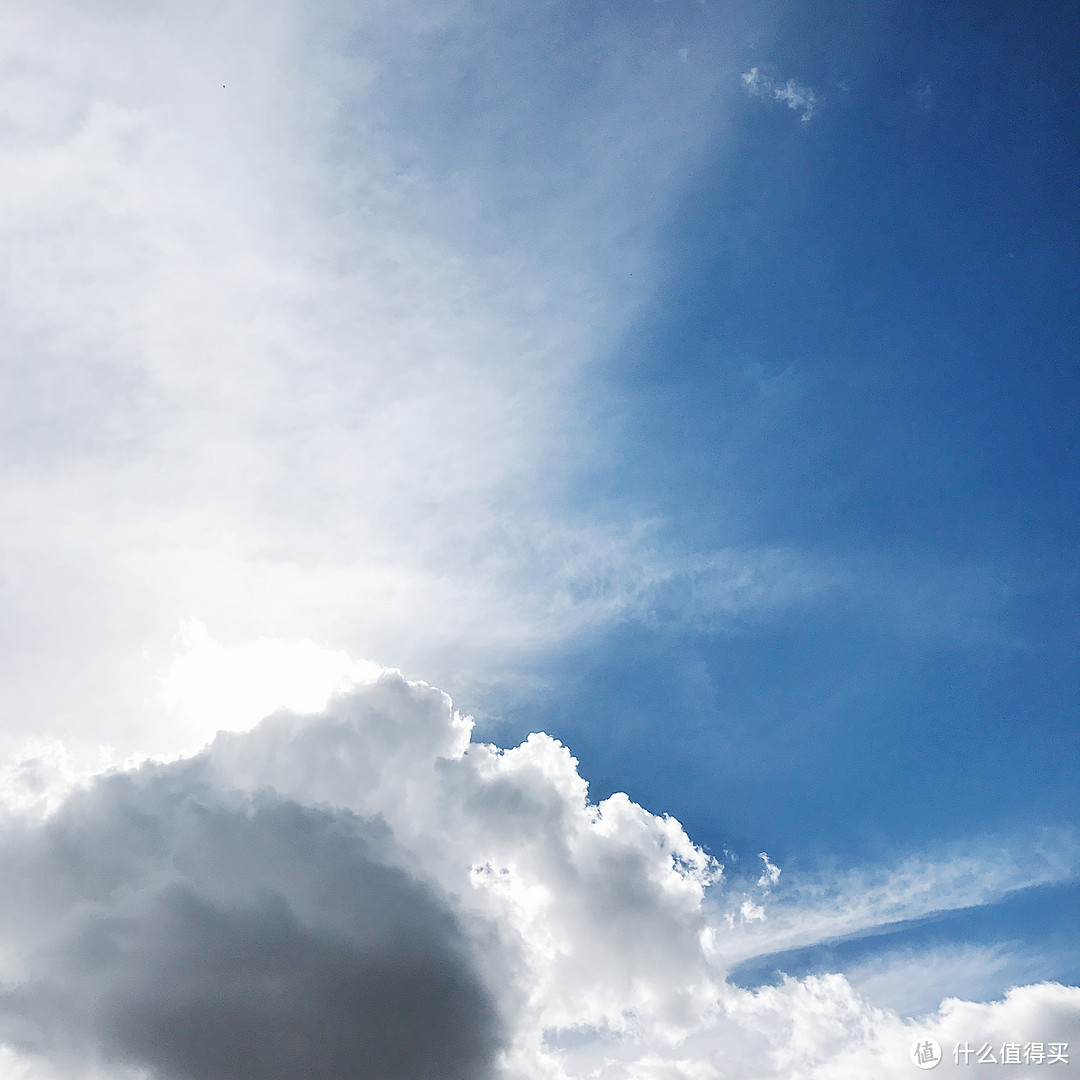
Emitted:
pixel 688 390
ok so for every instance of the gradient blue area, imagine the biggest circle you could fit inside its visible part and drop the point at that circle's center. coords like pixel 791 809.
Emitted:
pixel 864 350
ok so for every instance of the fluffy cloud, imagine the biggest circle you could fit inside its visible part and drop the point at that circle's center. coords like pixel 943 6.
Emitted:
pixel 367 892
pixel 162 923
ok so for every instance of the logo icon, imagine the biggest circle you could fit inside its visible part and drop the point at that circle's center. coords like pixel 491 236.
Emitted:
pixel 926 1054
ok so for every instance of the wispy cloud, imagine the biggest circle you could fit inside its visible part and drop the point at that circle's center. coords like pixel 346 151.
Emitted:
pixel 922 93
pixel 286 354
pixel 805 911
pixel 794 95
pixel 914 982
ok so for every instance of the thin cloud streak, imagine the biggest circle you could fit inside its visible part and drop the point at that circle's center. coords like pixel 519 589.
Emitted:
pixel 914 982
pixel 808 911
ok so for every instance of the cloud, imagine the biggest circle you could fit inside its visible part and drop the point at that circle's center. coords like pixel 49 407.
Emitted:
pixel 770 873
pixel 821 1028
pixel 915 981
pixel 513 833
pixel 367 891
pixel 309 354
pixel 922 93
pixel 208 686
pixel 161 926
pixel 811 909
pixel 790 93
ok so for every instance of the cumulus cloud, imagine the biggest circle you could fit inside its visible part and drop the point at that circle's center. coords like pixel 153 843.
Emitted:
pixel 162 923
pixel 366 891
pixel 794 95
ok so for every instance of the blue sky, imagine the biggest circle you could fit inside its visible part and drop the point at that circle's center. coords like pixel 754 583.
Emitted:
pixel 862 347
pixel 694 383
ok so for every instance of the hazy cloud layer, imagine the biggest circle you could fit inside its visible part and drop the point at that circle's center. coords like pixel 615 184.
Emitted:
pixel 285 351
pixel 366 892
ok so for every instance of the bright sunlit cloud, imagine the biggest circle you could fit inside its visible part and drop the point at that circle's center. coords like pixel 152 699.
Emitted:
pixel 210 687
pixel 268 365
pixel 297 885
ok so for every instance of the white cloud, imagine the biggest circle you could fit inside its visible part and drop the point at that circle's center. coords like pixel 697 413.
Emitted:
pixel 281 354
pixel 820 1028
pixel 287 355
pixel 915 981
pixel 210 687
pixel 922 93
pixel 770 873
pixel 252 902
pixel 846 903
pixel 790 93
pixel 36 780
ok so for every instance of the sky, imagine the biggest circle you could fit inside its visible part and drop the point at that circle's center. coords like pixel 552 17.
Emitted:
pixel 538 541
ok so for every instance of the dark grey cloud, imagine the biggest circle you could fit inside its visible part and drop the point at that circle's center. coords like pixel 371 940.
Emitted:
pixel 165 925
